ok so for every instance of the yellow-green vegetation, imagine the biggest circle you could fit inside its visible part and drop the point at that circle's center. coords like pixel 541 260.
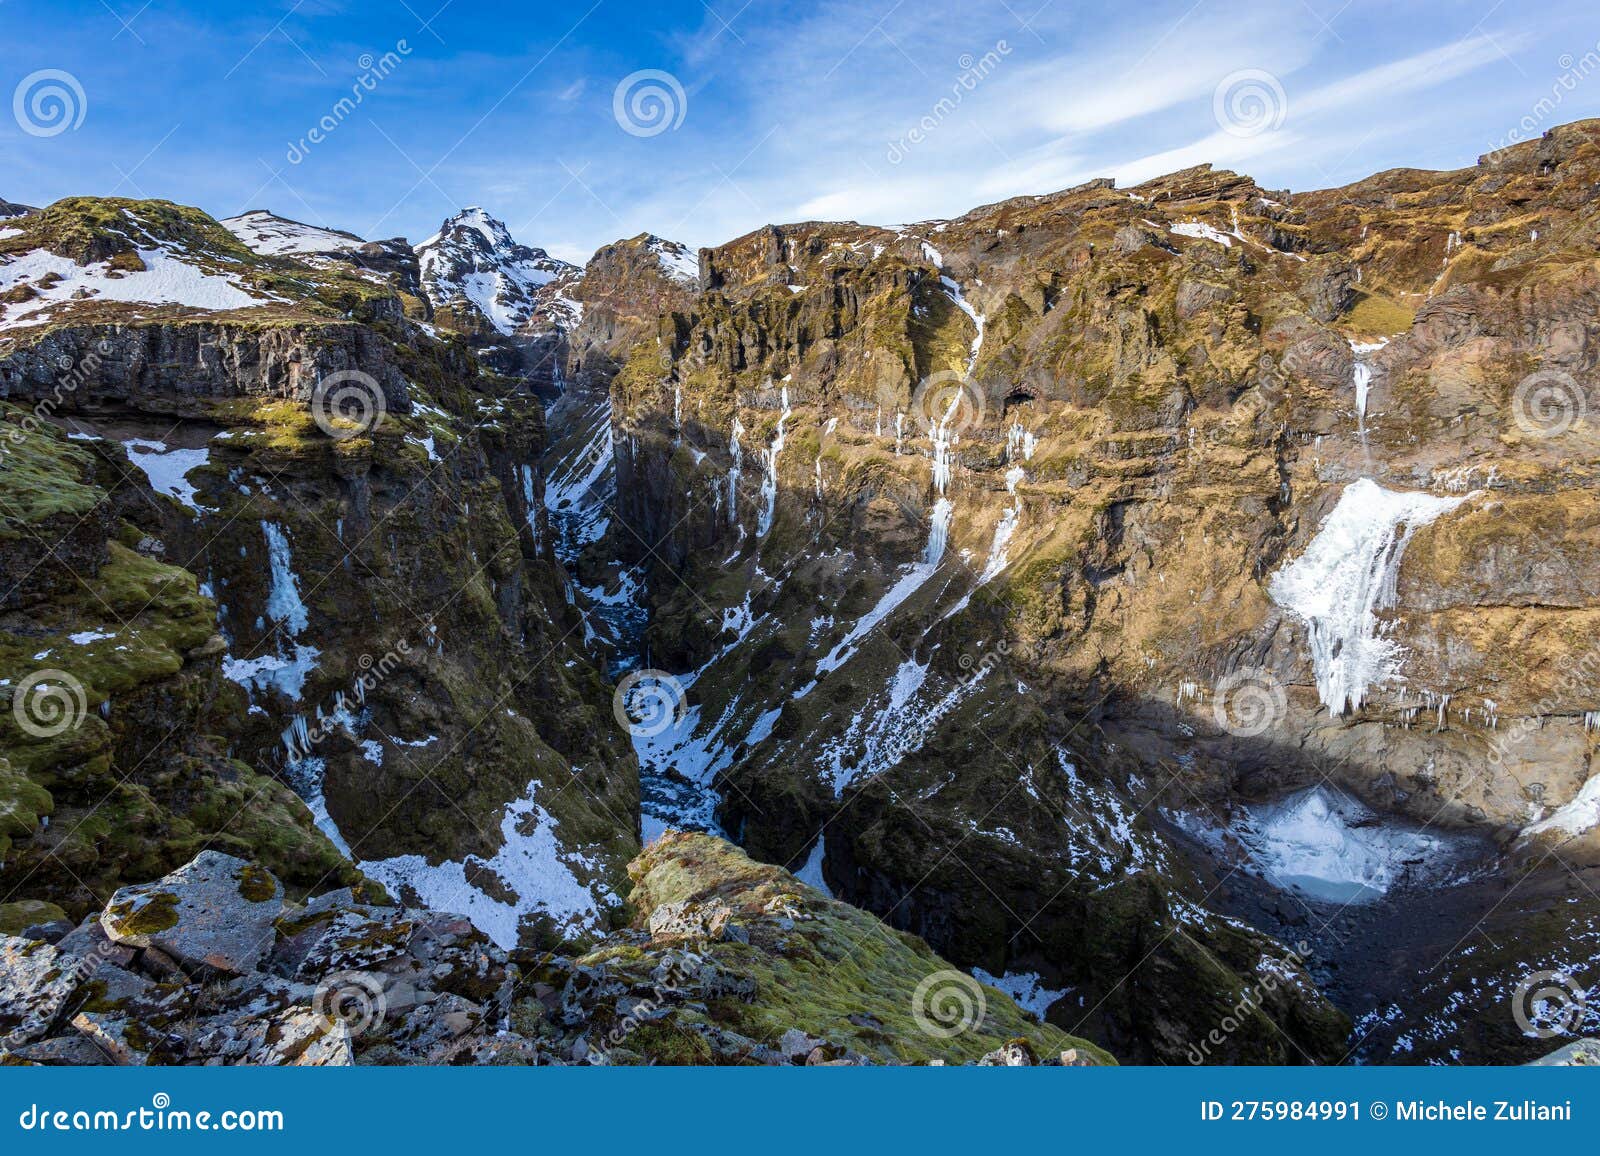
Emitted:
pixel 15 918
pixel 41 473
pixel 147 914
pixel 88 229
pixel 1374 315
pixel 823 967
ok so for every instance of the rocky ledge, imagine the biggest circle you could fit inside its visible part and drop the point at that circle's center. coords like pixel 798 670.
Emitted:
pixel 727 961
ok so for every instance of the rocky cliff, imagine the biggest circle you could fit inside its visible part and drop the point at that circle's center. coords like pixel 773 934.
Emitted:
pixel 1174 606
pixel 263 532
pixel 1006 567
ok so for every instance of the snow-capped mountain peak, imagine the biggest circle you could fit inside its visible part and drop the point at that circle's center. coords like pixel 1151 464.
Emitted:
pixel 678 261
pixel 474 271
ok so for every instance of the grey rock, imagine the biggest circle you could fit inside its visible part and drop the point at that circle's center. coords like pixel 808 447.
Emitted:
pixel 1012 1055
pixel 90 939
pixel 1578 1054
pixel 37 981
pixel 215 912
pixel 63 1052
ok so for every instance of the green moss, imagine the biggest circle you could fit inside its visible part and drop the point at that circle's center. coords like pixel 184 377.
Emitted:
pixel 155 914
pixel 827 968
pixel 667 1043
pixel 291 926
pixel 42 474
pixel 257 884
pixel 15 918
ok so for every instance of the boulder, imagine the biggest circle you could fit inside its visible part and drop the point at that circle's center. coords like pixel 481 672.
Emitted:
pixel 24 915
pixel 215 912
pixel 37 981
pixel 62 1052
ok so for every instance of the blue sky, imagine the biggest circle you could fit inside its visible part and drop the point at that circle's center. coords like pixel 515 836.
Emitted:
pixel 777 111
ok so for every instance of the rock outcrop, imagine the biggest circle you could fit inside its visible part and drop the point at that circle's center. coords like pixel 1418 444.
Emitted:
pixel 728 961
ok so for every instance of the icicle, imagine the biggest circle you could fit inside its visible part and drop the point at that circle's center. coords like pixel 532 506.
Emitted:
pixel 1346 575
pixel 769 484
pixel 737 468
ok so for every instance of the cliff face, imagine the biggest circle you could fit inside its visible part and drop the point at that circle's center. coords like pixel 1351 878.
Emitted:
pixel 326 529
pixel 1001 561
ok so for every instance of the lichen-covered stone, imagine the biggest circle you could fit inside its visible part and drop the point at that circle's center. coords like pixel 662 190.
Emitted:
pixel 216 912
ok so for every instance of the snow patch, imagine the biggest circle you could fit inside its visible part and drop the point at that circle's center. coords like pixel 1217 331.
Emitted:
pixel 1026 989
pixel 532 863
pixel 167 468
pixel 164 280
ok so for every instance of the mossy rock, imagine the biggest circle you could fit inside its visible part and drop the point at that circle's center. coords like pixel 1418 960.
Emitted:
pixel 805 962
pixel 17 917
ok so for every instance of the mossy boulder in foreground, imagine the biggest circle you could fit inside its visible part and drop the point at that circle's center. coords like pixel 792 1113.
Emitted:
pixel 728 961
